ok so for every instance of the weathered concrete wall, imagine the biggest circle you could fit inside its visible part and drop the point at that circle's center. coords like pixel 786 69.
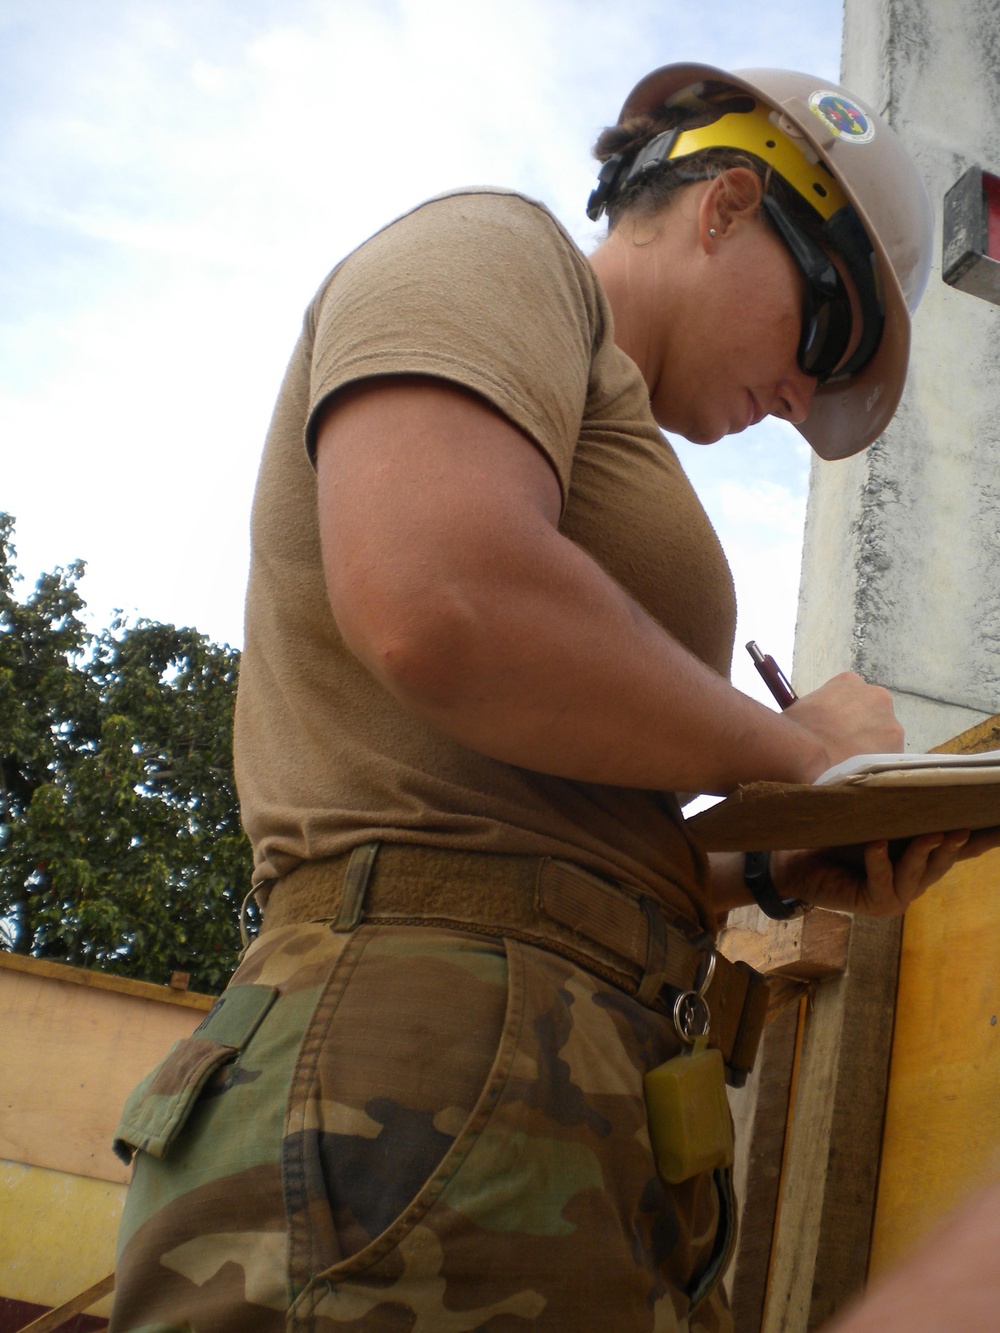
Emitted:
pixel 901 565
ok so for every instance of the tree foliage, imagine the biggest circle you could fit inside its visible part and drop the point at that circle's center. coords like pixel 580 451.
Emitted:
pixel 120 841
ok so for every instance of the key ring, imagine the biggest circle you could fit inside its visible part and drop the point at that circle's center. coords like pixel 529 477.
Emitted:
pixel 692 1016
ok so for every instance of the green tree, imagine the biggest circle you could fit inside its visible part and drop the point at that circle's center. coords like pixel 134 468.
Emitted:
pixel 120 841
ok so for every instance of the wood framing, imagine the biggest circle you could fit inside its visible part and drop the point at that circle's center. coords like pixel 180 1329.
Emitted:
pixel 760 1113
pixel 830 1170
pixel 811 1115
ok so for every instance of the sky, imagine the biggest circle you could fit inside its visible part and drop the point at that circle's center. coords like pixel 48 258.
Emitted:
pixel 179 175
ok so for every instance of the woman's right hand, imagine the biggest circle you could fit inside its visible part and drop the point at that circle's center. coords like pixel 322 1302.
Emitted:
pixel 848 717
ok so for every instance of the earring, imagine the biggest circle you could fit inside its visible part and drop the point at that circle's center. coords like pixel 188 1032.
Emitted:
pixel 712 232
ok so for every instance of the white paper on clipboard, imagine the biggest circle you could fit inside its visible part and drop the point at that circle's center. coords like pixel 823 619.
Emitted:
pixel 913 770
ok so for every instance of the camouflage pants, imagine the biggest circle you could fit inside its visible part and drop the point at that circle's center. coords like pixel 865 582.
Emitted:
pixel 406 1128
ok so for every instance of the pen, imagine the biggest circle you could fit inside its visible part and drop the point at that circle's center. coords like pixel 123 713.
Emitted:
pixel 773 676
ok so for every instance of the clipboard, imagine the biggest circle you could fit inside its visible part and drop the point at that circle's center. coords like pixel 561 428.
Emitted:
pixel 770 816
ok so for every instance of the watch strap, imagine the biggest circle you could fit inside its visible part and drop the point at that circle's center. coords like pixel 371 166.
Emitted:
pixel 757 878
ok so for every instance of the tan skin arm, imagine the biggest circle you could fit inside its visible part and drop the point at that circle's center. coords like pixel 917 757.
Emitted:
pixel 951 1284
pixel 450 580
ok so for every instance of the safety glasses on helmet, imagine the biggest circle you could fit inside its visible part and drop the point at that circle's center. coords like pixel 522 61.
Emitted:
pixel 827 321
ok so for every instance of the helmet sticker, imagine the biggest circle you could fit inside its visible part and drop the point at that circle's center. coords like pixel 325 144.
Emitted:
pixel 843 117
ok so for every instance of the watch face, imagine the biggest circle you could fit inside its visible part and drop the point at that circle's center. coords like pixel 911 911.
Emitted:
pixel 842 117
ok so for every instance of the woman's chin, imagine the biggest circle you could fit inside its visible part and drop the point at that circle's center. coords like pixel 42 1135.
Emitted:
pixel 704 434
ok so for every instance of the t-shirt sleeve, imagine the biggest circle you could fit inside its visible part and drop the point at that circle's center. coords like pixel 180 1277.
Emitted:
pixel 484 290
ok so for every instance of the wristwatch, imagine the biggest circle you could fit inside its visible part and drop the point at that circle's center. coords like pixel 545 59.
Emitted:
pixel 757 878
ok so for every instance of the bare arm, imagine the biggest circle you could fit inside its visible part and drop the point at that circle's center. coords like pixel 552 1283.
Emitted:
pixel 950 1285
pixel 450 580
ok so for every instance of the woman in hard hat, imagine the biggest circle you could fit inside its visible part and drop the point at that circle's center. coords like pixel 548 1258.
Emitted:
pixel 489 632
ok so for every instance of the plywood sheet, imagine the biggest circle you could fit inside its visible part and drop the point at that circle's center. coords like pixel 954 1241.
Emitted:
pixel 57 1234
pixel 69 1057
pixel 942 1127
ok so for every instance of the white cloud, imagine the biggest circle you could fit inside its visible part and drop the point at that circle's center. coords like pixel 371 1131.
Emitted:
pixel 180 176
pixel 775 509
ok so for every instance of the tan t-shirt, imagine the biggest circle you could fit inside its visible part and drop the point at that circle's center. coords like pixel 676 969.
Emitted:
pixel 485 289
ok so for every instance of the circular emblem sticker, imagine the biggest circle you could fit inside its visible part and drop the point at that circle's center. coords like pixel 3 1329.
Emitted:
pixel 842 116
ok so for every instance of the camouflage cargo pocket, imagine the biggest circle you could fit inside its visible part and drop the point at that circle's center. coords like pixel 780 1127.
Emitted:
pixel 157 1110
pixel 203 1243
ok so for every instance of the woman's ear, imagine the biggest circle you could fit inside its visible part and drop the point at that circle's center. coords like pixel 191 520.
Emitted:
pixel 733 196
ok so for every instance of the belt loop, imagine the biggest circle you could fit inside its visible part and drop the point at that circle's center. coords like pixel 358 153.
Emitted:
pixel 352 896
pixel 245 940
pixel 654 973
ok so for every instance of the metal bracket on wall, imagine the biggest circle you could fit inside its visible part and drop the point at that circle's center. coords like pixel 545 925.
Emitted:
pixel 971 250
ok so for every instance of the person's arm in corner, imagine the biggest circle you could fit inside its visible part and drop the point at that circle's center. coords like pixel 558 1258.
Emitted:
pixel 951 1284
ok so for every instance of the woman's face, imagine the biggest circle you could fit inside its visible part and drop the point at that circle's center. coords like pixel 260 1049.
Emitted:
pixel 730 360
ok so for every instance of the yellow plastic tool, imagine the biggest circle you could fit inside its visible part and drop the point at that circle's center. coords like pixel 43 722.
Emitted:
pixel 689 1122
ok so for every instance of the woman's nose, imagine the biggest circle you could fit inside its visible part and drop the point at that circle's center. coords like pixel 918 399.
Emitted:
pixel 793 396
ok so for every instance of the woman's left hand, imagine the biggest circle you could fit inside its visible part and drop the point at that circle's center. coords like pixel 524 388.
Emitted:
pixel 870 880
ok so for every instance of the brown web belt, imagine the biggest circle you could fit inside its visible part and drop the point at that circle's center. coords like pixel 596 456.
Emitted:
pixel 627 937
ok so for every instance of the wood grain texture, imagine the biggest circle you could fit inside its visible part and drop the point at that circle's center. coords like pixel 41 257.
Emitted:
pixel 831 1163
pixel 766 816
pixel 809 947
pixel 760 1111
pixel 976 740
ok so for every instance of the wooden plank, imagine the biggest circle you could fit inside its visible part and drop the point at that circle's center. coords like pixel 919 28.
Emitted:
pixel 809 947
pixel 983 736
pixel 62 1314
pixel 831 1165
pixel 83 976
pixel 770 815
pixel 760 1111
pixel 57 1236
pixel 69 1057
pixel 942 1124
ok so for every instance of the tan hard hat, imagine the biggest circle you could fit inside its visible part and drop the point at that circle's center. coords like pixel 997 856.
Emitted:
pixel 880 180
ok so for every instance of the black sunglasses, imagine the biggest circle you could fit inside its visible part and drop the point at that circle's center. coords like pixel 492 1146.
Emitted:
pixel 827 322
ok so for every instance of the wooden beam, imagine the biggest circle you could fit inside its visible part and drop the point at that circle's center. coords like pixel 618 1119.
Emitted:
pixel 810 947
pixel 62 1314
pixel 760 1112
pixel 795 954
pixel 84 976
pixel 831 1162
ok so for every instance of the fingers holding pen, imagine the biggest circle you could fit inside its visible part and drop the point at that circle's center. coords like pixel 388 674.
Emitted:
pixel 849 717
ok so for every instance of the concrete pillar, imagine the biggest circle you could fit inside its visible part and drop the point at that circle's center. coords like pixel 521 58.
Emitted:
pixel 901 563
